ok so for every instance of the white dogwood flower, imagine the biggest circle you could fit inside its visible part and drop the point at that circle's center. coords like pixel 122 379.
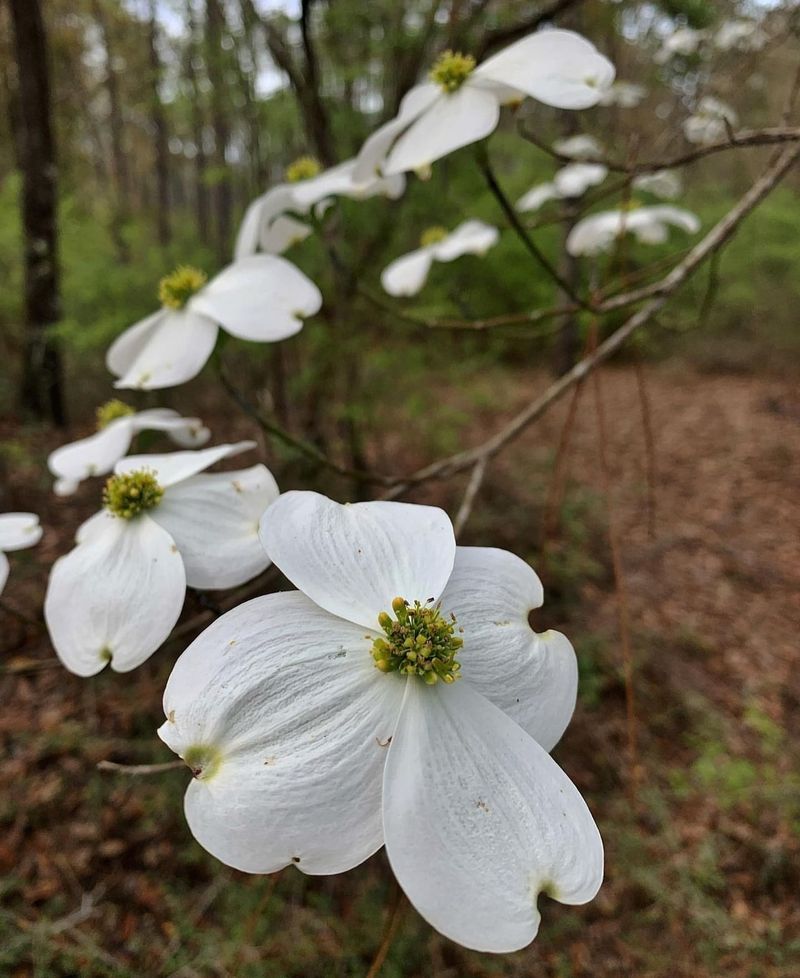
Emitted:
pixel 684 41
pixel 666 184
pixel 117 424
pixel 406 275
pixel 460 103
pixel 260 297
pixel 573 180
pixel 649 225
pixel 709 122
pixel 537 196
pixel 166 523
pixel 268 224
pixel 17 532
pixel 740 35
pixel 626 95
pixel 399 697
pixel 580 147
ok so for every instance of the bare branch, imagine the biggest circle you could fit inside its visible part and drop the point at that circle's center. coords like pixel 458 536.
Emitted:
pixel 775 135
pixel 715 238
pixel 473 488
pixel 139 769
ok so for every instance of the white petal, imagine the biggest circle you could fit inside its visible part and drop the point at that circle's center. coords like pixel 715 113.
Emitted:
pixel 186 432
pixel 536 196
pixel 282 233
pixel 289 699
pixel 175 350
pixel 261 297
pixel 115 597
pixel 249 230
pixel 65 487
pixel 4 569
pixel 559 68
pixel 372 155
pixel 177 466
pixel 407 274
pixel 679 218
pixel 579 147
pixel 469 238
pixel 353 560
pixel 95 455
pixel 214 521
pixel 662 183
pixel 533 678
pixel 479 820
pixel 574 179
pixel 19 530
pixel 451 122
pixel 128 345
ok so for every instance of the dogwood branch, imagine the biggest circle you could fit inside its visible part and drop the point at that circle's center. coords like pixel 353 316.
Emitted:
pixel 772 136
pixel 660 292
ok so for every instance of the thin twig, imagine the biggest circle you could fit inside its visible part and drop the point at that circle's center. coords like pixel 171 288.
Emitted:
pixel 620 588
pixel 772 136
pixel 649 447
pixel 519 228
pixel 472 490
pixel 139 769
pixel 393 921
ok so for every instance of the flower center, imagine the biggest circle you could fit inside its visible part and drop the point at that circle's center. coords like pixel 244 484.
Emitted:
pixel 132 493
pixel 303 168
pixel 418 642
pixel 432 236
pixel 451 69
pixel 175 290
pixel 112 410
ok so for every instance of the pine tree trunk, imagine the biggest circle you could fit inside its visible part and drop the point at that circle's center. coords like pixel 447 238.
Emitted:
pixel 215 23
pixel 160 127
pixel 41 391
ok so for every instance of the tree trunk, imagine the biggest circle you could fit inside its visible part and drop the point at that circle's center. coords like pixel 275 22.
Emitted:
pixel 41 391
pixel 215 23
pixel 119 160
pixel 160 129
pixel 198 129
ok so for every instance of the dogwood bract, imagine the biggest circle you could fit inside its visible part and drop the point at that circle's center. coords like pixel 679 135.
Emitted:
pixel 649 225
pixel 709 122
pixel 399 697
pixel 626 95
pixel 580 147
pixel 661 183
pixel 268 224
pixel 406 275
pixel 260 297
pixel 573 180
pixel 115 597
pixel 460 104
pixel 117 423
pixel 17 532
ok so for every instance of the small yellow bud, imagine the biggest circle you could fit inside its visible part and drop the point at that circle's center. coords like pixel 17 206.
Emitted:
pixel 175 290
pixel 433 235
pixel 451 69
pixel 303 168
pixel 111 411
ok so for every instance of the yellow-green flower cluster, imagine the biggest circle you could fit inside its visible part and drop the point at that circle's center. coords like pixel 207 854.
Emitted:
pixel 432 236
pixel 419 642
pixel 451 69
pixel 175 290
pixel 111 411
pixel 303 168
pixel 132 493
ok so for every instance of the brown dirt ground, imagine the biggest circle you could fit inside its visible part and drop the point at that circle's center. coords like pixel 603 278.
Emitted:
pixel 704 860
